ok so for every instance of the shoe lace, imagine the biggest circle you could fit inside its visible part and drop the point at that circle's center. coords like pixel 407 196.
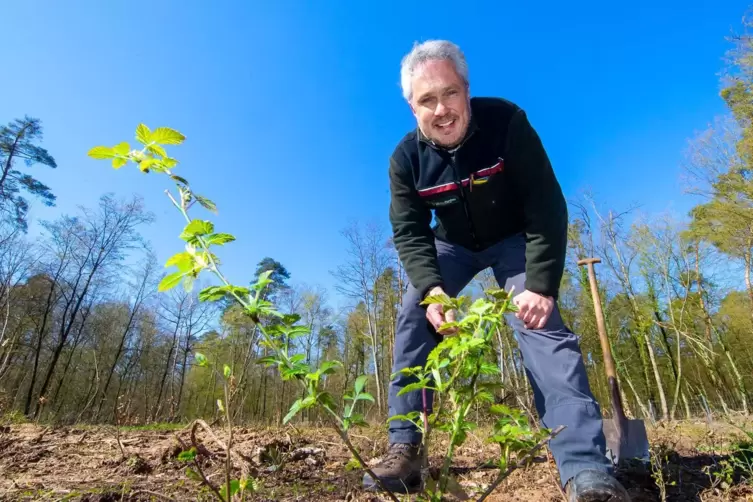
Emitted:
pixel 397 452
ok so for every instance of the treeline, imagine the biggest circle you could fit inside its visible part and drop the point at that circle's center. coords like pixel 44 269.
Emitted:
pixel 84 336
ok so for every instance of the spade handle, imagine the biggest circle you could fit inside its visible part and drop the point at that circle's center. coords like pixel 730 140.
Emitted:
pixel 605 348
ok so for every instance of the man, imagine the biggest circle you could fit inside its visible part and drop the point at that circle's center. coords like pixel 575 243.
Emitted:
pixel 481 167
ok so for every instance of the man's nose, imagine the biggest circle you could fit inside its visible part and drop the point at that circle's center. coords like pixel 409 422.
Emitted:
pixel 441 109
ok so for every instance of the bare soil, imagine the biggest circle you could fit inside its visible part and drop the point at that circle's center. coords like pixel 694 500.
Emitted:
pixel 86 464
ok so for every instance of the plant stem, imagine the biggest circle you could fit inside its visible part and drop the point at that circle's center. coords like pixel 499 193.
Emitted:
pixel 336 423
pixel 502 475
pixel 229 442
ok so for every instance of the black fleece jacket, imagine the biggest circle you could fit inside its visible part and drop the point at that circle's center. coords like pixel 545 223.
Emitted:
pixel 498 183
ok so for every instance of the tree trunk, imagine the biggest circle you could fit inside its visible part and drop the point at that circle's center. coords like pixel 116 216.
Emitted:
pixel 163 380
pixel 702 302
pixel 657 375
pixel 41 334
pixel 748 285
pixel 118 353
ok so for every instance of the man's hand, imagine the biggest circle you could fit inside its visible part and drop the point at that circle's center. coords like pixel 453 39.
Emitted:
pixel 435 313
pixel 535 309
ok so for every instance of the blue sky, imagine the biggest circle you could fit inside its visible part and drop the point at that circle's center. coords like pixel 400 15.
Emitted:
pixel 291 110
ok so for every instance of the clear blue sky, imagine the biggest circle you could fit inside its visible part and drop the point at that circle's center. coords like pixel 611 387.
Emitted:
pixel 292 110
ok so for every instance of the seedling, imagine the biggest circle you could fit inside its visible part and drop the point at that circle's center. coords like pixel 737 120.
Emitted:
pixel 200 240
pixel 455 370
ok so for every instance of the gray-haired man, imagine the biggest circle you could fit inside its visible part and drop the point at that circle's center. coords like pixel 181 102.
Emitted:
pixel 481 167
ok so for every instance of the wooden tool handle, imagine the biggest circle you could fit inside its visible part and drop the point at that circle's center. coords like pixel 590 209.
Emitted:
pixel 588 261
pixel 603 340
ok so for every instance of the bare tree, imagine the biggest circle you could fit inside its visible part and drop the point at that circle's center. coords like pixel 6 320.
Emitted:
pixel 368 257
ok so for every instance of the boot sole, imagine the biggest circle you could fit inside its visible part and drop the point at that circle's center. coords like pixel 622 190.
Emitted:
pixel 396 485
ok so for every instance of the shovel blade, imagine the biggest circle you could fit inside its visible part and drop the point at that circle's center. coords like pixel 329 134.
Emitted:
pixel 631 444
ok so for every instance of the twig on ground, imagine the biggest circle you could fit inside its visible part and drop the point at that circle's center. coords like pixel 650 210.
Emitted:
pixel 41 435
pixel 154 494
pixel 502 475
pixel 241 461
pixel 196 462
pixel 361 437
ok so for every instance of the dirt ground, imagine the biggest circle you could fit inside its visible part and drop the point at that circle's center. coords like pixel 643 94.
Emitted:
pixel 86 464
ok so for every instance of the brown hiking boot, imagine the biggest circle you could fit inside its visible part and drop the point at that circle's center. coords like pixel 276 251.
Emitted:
pixel 595 486
pixel 399 470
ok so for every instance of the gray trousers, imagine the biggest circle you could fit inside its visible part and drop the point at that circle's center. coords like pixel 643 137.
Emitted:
pixel 551 356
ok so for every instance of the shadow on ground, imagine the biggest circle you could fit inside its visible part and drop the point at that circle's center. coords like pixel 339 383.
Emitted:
pixel 685 478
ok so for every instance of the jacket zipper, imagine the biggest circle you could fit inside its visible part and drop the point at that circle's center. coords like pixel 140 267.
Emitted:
pixel 463 198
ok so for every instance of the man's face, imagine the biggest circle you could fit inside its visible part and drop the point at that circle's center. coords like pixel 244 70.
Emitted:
pixel 440 102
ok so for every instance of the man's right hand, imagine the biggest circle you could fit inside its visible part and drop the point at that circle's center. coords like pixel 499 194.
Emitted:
pixel 436 316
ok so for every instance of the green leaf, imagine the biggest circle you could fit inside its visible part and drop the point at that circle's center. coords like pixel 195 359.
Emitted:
pixel 298 405
pixel 169 163
pixel 326 400
pixel 329 367
pixel 297 358
pixel 157 150
pixel 297 332
pixel 122 148
pixel 198 227
pixel 143 133
pixel 227 371
pixel 360 383
pixel 234 487
pixel 437 378
pixel 179 179
pixel 488 369
pixel 443 300
pixel 187 455
pixel 449 325
pixel 211 294
pixel 268 361
pixel 166 136
pixel 206 203
pixel 498 293
pixel 413 416
pixel 170 281
pixel 500 409
pixel 423 384
pixel 220 406
pixel 101 152
pixel 118 162
pixel 263 280
pixel 219 239
pixel 214 293
pixel 358 419
pixel 365 396
pixel 201 359
pixel 192 475
pixel 481 306
pixel 182 260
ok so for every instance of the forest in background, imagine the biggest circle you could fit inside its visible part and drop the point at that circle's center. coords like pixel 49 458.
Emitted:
pixel 85 337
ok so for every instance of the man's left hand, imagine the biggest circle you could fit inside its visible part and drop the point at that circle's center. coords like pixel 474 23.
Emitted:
pixel 534 309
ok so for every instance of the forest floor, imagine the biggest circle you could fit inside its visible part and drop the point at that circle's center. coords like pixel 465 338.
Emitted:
pixel 85 463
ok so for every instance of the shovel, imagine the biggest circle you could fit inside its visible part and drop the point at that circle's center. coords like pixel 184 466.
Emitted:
pixel 626 439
